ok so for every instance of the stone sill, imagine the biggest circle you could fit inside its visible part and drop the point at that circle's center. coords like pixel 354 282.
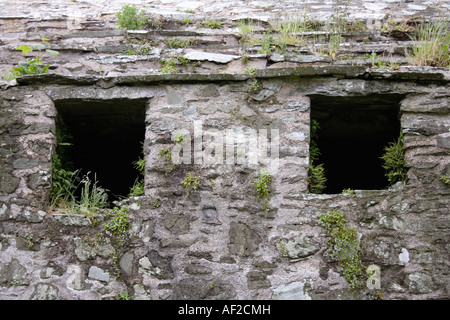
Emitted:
pixel 425 74
pixel 357 193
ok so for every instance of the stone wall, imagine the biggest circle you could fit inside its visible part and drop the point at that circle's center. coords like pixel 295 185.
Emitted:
pixel 89 41
pixel 219 241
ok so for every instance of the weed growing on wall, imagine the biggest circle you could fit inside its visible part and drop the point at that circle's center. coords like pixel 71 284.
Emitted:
pixel 117 229
pixel 397 26
pixel 169 66
pixel 337 26
pixel 118 225
pixel 138 186
pixel 29 240
pixel 31 65
pixel 130 18
pixel 431 44
pixel 125 296
pixel 316 178
pixel 394 161
pixel 188 63
pixel 254 82
pixel 348 191
pixel 64 181
pixel 266 43
pixel 262 188
pixel 289 31
pixel 186 21
pixel 212 24
pixel 281 245
pixel 166 153
pixel 137 189
pixel 68 192
pixel 190 183
pixel 174 43
pixel 156 203
pixel 316 172
pixel 92 198
pixel 345 248
pixel 114 233
pixel 62 186
pixel 247 32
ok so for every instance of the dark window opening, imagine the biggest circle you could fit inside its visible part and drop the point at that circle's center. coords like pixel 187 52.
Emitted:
pixel 351 139
pixel 106 138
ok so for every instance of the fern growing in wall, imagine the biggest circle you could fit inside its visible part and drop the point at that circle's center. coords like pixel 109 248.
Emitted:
pixel 138 187
pixel 63 185
pixel 316 173
pixel 394 161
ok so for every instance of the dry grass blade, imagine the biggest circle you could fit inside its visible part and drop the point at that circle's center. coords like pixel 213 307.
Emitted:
pixel 431 45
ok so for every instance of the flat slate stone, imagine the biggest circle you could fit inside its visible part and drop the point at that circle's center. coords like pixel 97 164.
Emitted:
pixel 349 72
pixel 98 274
pixel 208 56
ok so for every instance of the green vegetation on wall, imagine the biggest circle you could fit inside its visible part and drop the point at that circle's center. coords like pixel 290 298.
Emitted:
pixel 262 188
pixel 130 18
pixel 212 24
pixel 190 183
pixel 138 187
pixel 394 161
pixel 316 173
pixel 254 82
pixel 118 225
pixel 63 179
pixel 431 44
pixel 31 65
pixel 68 192
pixel 344 246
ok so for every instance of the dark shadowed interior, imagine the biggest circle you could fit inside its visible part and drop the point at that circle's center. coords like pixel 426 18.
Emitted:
pixel 106 138
pixel 352 136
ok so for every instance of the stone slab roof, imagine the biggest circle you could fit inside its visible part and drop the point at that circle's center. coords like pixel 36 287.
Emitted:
pixel 86 35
